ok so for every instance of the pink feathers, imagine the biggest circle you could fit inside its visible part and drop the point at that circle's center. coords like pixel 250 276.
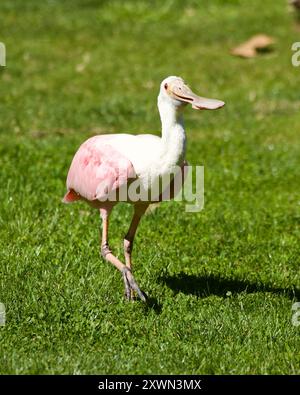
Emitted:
pixel 97 170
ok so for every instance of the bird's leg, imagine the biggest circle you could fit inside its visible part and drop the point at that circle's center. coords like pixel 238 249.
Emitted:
pixel 128 240
pixel 129 281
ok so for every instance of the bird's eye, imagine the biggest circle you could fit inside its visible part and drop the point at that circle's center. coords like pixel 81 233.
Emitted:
pixel 166 86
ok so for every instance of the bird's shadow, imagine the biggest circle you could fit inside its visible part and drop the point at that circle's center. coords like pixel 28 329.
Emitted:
pixel 152 305
pixel 204 286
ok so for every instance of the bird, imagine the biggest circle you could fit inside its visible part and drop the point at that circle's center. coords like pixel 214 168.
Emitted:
pixel 109 164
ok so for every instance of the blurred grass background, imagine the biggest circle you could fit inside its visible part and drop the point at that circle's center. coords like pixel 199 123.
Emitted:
pixel 223 280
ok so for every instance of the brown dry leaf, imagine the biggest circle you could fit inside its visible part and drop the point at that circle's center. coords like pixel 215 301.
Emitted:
pixel 249 48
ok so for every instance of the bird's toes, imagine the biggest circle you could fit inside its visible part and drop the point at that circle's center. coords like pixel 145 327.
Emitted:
pixel 127 292
pixel 136 288
pixel 143 296
pixel 131 286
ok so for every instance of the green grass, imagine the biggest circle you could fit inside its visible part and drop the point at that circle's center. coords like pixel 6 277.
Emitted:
pixel 222 282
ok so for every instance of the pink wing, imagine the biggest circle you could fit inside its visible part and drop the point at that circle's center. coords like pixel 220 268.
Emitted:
pixel 97 169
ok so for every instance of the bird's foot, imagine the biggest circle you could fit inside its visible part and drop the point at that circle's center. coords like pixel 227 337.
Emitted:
pixel 131 286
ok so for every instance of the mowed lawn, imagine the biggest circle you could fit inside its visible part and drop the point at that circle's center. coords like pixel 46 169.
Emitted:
pixel 221 282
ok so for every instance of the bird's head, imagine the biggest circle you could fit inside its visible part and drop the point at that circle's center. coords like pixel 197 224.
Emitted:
pixel 175 91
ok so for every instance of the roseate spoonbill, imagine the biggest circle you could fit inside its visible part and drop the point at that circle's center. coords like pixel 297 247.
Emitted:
pixel 107 163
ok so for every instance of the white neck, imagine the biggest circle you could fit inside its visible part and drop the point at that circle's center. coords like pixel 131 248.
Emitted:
pixel 173 133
